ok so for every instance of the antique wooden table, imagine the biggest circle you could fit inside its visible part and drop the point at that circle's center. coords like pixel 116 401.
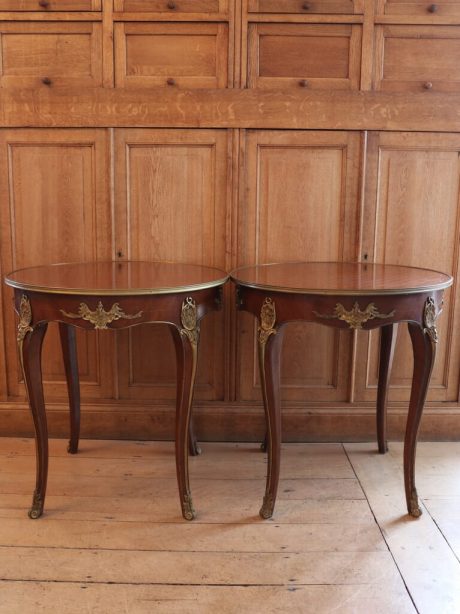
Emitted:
pixel 102 295
pixel 344 295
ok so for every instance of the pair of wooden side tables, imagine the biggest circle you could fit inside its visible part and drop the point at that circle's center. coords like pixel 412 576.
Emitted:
pixel 115 295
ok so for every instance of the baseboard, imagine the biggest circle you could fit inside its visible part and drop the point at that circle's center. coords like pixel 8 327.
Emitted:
pixel 232 422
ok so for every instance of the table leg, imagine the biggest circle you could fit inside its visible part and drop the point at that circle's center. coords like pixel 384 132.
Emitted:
pixel 69 353
pixel 264 444
pixel 193 447
pixel 424 348
pixel 269 363
pixel 387 347
pixel 186 346
pixel 30 349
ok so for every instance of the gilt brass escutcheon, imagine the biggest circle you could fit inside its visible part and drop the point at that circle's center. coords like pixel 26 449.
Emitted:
pixel 355 317
pixel 430 315
pixel 267 321
pixel 99 317
pixel 189 320
pixel 25 319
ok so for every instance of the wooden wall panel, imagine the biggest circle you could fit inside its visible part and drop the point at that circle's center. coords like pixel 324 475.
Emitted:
pixel 416 58
pixel 418 8
pixel 50 5
pixel 188 183
pixel 304 8
pixel 53 54
pixel 413 219
pixel 190 55
pixel 309 56
pixel 299 187
pixel 171 189
pixel 163 6
pixel 55 208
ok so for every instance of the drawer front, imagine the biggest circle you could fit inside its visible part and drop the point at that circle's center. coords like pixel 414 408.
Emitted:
pixel 189 55
pixel 443 8
pixel 38 54
pixel 417 58
pixel 301 6
pixel 304 56
pixel 50 5
pixel 172 6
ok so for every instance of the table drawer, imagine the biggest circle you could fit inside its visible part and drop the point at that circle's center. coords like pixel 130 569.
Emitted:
pixel 190 55
pixel 304 56
pixel 301 6
pixel 417 58
pixel 38 54
pixel 416 8
pixel 50 5
pixel 172 6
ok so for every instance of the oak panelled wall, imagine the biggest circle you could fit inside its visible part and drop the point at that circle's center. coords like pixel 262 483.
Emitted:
pixel 170 188
pixel 413 184
pixel 123 135
pixel 55 208
pixel 300 186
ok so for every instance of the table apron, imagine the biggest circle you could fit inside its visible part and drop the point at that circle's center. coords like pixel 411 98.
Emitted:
pixel 121 311
pixel 366 311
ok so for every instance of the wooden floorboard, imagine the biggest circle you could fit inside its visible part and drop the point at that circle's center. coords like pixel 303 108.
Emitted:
pixel 112 538
pixel 20 597
pixel 421 551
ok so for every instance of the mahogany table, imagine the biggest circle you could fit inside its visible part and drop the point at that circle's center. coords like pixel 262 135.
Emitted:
pixel 344 295
pixel 103 295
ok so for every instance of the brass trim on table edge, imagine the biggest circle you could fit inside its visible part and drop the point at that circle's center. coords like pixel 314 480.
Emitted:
pixel 319 292
pixel 115 293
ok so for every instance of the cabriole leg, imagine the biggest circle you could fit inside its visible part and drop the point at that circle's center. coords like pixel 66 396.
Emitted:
pixel 388 335
pixel 269 350
pixel 69 353
pixel 424 347
pixel 186 345
pixel 30 349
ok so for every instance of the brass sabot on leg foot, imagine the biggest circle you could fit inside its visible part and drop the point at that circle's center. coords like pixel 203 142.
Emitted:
pixel 37 506
pixel 188 510
pixel 414 507
pixel 266 511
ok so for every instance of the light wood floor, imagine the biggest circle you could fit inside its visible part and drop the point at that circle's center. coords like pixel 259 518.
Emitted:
pixel 112 539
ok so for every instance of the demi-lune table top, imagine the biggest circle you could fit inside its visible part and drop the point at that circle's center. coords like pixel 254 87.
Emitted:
pixel 340 278
pixel 116 278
